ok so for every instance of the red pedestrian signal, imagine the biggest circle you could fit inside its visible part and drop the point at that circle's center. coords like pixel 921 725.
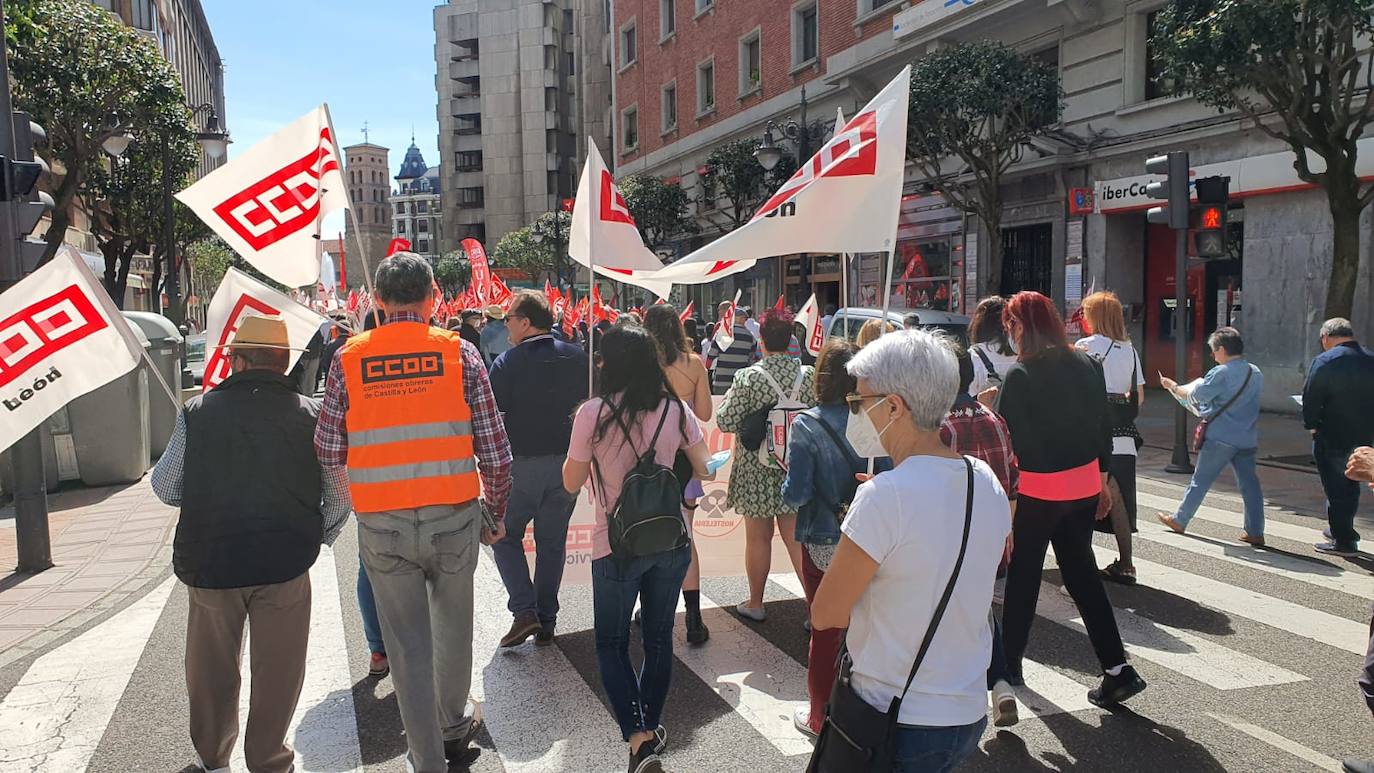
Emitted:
pixel 1212 217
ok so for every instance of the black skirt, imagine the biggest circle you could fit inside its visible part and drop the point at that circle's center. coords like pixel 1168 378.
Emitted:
pixel 1122 470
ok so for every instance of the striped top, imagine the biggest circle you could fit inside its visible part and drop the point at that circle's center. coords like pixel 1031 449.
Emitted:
pixel 741 354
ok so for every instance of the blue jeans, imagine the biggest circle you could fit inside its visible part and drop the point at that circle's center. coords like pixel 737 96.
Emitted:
pixel 537 494
pixel 637 699
pixel 997 666
pixel 367 608
pixel 936 749
pixel 1214 456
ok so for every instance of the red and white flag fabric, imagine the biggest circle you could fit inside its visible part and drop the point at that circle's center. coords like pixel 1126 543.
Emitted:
pixel 479 282
pixel 810 318
pixel 60 337
pixel 498 293
pixel 725 328
pixel 687 312
pixel 240 296
pixel 269 202
pixel 397 245
pixel 846 198
pixel 604 235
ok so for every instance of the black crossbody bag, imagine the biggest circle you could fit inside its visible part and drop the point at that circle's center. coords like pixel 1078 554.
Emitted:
pixel 857 737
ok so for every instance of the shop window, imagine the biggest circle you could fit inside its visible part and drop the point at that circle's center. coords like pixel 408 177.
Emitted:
pixel 923 275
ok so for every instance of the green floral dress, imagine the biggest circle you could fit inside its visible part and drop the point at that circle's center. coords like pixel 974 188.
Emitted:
pixel 755 489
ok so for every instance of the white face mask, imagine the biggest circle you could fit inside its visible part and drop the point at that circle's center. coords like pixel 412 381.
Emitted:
pixel 866 439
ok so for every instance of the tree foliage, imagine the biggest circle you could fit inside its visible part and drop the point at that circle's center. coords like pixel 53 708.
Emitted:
pixel 1298 69
pixel 85 76
pixel 658 207
pixel 973 109
pixel 734 174
pixel 211 258
pixel 453 272
pixel 535 248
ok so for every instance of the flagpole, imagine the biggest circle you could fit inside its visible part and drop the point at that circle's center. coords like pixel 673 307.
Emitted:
pixel 591 329
pixel 357 230
pixel 844 283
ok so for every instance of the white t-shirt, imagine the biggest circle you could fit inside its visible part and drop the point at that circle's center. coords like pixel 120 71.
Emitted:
pixel 1118 363
pixel 910 520
pixel 1001 363
pixel 752 325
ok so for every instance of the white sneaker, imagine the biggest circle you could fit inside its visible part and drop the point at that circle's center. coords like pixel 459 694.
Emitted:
pixel 757 614
pixel 1003 705
pixel 801 719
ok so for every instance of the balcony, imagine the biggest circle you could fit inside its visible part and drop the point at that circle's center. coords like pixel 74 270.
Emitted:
pixel 467 68
pixel 467 87
pixel 466 50
pixel 467 125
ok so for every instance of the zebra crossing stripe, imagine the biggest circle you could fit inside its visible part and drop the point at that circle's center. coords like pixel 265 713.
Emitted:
pixel 329 742
pixel 1046 692
pixel 55 716
pixel 573 731
pixel 1180 651
pixel 1279 742
pixel 1312 624
pixel 1272 527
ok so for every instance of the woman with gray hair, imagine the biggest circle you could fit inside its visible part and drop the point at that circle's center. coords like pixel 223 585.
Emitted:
pixel 912 576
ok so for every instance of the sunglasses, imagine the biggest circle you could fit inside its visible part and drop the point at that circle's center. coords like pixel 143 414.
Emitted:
pixel 856 401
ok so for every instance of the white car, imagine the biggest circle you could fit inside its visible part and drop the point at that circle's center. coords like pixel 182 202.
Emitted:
pixel 846 322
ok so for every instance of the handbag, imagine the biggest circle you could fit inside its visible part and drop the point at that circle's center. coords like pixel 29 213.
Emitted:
pixel 1200 433
pixel 855 736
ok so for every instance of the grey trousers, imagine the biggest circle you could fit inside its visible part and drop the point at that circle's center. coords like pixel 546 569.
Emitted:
pixel 421 564
pixel 278 619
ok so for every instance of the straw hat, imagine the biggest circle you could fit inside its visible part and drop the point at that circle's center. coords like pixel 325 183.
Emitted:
pixel 261 333
pixel 495 312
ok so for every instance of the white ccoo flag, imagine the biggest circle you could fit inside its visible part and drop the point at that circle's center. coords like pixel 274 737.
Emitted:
pixel 810 319
pixel 60 337
pixel 240 296
pixel 846 198
pixel 604 234
pixel 270 202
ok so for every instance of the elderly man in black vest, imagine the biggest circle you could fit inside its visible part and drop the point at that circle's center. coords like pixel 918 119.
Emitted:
pixel 255 507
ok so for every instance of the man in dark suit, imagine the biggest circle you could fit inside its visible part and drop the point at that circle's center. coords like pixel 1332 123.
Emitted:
pixel 1335 408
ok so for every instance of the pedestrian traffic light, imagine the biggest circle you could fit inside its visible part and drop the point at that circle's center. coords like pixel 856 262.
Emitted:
pixel 1213 194
pixel 1174 189
pixel 21 189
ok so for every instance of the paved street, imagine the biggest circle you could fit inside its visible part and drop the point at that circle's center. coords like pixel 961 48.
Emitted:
pixel 1250 655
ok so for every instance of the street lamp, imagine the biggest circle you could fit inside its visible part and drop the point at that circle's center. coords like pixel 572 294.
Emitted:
pixel 539 237
pixel 214 140
pixel 801 133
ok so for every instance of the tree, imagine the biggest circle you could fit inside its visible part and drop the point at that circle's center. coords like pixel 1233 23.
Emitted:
pixel 453 272
pixel 733 173
pixel 973 109
pixel 211 258
pixel 1298 70
pixel 658 207
pixel 534 248
pixel 85 76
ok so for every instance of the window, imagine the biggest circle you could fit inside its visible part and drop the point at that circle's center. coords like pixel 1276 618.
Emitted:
pixel 1157 83
pixel 424 225
pixel 143 14
pixel 706 86
pixel 628 52
pixel 805 32
pixel 467 160
pixel 667 18
pixel 423 246
pixel 669 118
pixel 629 129
pixel 868 6
pixel 750 61
pixel 422 207
pixel 401 208
pixel 704 5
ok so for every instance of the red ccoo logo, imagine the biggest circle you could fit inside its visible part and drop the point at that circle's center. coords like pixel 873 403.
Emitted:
pixel 283 202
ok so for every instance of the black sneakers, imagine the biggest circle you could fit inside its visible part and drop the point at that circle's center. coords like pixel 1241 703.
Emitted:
pixel 646 759
pixel 660 739
pixel 1115 689
pixel 457 750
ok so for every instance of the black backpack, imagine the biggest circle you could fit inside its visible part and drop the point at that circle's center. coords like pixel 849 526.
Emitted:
pixel 647 518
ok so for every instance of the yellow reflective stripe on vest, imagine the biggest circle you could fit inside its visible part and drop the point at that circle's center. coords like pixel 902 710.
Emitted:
pixel 404 432
pixel 401 472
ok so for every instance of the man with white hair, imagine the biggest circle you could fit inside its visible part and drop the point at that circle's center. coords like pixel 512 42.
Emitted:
pixel 1335 409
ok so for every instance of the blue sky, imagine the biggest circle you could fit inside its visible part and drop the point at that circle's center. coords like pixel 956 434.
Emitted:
pixel 371 61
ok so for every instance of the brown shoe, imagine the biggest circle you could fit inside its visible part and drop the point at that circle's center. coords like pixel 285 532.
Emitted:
pixel 1168 520
pixel 1247 539
pixel 525 626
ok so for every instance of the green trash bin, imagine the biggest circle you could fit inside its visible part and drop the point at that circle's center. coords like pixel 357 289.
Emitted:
pixel 164 347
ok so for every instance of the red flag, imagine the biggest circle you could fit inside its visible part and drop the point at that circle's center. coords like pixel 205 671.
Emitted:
pixel 397 245
pixel 612 315
pixel 548 292
pixel 660 300
pixel 687 312
pixel 568 204
pixel 480 284
pixel 499 294
pixel 780 306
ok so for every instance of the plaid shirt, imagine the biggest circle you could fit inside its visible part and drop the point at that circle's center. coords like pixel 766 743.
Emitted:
pixel 970 428
pixel 488 433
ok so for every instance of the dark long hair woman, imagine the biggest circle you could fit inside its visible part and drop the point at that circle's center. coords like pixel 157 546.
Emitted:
pixel 635 413
pixel 1054 401
pixel 691 384
pixel 991 348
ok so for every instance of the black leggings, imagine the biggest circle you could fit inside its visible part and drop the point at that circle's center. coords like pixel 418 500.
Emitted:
pixel 1069 527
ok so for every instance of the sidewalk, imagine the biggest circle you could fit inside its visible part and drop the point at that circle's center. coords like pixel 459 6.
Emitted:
pixel 102 538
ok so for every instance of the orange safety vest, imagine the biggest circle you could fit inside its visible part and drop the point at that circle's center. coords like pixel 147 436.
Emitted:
pixel 409 425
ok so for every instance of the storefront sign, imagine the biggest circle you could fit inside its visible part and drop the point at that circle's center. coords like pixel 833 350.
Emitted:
pixel 1081 201
pixel 926 13
pixel 1253 176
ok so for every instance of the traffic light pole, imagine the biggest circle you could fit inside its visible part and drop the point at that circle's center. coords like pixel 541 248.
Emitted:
pixel 1180 462
pixel 26 456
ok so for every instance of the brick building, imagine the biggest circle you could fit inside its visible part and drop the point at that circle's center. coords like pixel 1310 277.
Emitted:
pixel 685 83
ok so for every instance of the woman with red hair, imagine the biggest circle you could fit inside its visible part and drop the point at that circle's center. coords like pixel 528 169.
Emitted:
pixel 1054 400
